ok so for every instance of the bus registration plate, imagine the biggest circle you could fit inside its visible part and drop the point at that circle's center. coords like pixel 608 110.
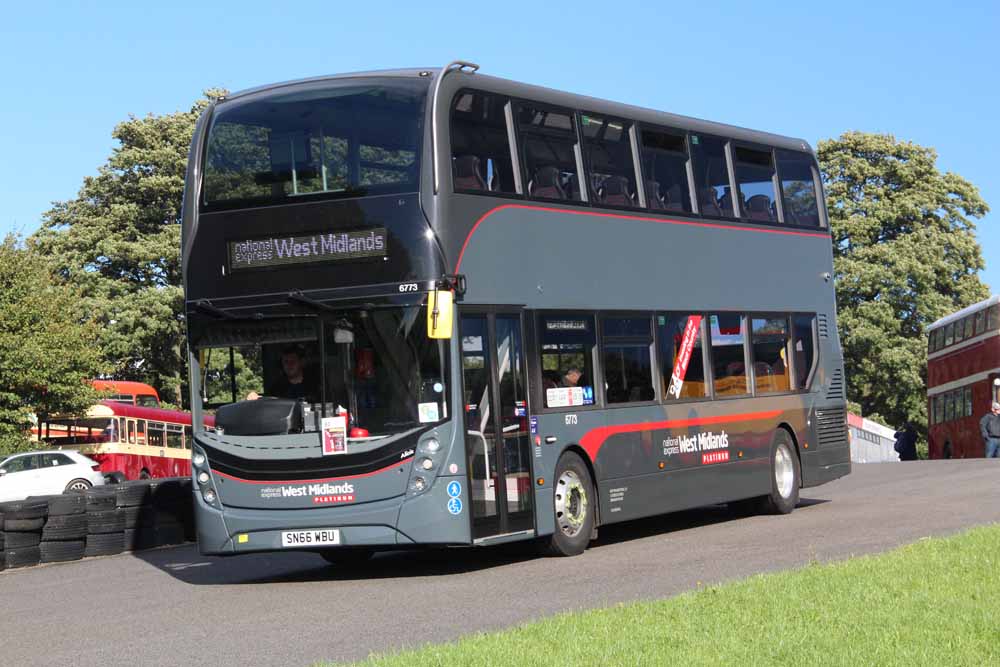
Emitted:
pixel 322 537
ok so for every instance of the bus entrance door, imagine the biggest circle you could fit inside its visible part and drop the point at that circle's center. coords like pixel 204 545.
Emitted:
pixel 498 444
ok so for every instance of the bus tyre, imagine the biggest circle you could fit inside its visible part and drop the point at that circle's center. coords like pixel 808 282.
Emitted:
pixel 78 486
pixel 786 476
pixel 574 504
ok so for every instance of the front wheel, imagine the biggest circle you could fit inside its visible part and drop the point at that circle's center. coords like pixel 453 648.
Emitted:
pixel 786 475
pixel 78 486
pixel 574 504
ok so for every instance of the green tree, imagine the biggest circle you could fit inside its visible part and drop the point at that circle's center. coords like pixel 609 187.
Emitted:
pixel 119 242
pixel 905 254
pixel 47 353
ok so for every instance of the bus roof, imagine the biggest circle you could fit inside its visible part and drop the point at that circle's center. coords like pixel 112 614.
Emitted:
pixel 968 310
pixel 557 98
pixel 116 409
pixel 125 387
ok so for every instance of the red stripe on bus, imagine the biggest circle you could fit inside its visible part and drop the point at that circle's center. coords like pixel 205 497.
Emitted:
pixel 595 439
pixel 313 481
pixel 690 223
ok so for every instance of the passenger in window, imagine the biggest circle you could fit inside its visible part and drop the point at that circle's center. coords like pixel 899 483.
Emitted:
pixel 571 378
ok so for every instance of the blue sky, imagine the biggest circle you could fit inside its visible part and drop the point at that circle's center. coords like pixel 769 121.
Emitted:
pixel 927 72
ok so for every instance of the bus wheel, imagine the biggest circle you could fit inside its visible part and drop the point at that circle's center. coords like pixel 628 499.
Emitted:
pixel 574 504
pixel 347 556
pixel 144 474
pixel 77 486
pixel 786 475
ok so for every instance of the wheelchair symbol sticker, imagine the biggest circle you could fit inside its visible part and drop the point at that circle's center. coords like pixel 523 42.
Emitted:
pixel 455 505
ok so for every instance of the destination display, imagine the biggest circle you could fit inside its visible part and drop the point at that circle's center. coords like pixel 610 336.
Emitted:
pixel 307 249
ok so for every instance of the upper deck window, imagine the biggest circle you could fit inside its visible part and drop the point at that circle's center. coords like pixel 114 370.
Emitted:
pixel 755 180
pixel 609 161
pixel 711 176
pixel 664 165
pixel 548 153
pixel 798 188
pixel 480 151
pixel 351 139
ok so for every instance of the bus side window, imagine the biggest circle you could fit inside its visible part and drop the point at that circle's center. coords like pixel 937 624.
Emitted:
pixel 156 438
pixel 175 438
pixel 480 151
pixel 608 150
pixel 140 437
pixel 798 188
pixel 548 153
pixel 803 349
pixel 188 438
pixel 728 336
pixel 711 176
pixel 568 342
pixel 665 170
pixel 131 432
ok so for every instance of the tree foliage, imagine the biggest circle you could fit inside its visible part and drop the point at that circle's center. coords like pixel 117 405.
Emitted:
pixel 47 353
pixel 905 254
pixel 119 242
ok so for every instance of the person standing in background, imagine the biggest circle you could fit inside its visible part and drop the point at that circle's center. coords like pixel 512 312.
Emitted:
pixel 989 427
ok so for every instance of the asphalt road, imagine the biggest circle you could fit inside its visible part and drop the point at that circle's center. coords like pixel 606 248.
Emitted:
pixel 172 606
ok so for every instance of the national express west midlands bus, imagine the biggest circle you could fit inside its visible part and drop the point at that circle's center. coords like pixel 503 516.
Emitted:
pixel 441 308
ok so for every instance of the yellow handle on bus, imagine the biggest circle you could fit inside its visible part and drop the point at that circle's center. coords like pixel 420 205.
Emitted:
pixel 440 313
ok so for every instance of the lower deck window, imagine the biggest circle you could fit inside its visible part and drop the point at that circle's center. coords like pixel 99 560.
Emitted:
pixel 728 334
pixel 567 343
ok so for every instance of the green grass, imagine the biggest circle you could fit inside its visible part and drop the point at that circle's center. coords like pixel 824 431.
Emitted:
pixel 936 602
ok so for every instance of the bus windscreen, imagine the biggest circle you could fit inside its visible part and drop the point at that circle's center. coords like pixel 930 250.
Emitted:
pixel 348 139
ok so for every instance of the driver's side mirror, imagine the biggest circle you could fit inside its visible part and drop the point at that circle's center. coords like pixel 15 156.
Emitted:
pixel 440 313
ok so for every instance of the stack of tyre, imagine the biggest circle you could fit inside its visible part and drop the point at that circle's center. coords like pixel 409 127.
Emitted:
pixel 65 531
pixel 22 532
pixel 105 522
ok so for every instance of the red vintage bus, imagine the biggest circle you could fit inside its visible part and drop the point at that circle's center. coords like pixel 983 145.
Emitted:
pixel 124 391
pixel 135 441
pixel 963 378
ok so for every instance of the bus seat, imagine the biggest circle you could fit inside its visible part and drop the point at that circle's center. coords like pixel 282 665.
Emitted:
pixel 467 175
pixel 573 187
pixel 653 197
pixel 675 198
pixel 707 202
pixel 546 184
pixel 759 207
pixel 614 191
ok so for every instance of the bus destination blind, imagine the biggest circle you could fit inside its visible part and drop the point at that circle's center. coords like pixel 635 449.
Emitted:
pixel 307 249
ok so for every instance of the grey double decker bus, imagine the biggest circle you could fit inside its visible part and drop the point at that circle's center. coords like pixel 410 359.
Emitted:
pixel 442 308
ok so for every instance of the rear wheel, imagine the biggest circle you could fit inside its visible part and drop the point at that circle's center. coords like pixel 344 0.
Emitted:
pixel 78 486
pixel 574 504
pixel 786 475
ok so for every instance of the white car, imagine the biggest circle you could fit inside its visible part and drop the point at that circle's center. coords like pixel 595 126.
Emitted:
pixel 44 473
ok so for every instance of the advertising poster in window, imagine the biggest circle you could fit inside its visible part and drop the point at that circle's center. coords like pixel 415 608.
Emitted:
pixel 684 355
pixel 334 435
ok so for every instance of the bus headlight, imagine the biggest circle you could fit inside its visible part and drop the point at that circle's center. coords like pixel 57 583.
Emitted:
pixel 198 459
pixel 419 484
pixel 431 446
pixel 209 496
pixel 426 464
pixel 203 477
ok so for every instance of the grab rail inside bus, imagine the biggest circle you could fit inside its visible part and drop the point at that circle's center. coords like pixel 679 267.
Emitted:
pixel 455 65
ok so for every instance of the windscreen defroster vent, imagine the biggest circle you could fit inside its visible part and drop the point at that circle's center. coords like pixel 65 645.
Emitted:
pixel 824 326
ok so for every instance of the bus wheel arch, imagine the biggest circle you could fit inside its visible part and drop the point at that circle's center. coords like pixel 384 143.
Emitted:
pixel 144 474
pixel 796 447
pixel 579 451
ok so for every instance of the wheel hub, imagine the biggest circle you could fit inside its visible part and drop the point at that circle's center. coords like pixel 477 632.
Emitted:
pixel 571 503
pixel 784 471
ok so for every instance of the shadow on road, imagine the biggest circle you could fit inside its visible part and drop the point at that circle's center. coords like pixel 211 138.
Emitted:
pixel 187 565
